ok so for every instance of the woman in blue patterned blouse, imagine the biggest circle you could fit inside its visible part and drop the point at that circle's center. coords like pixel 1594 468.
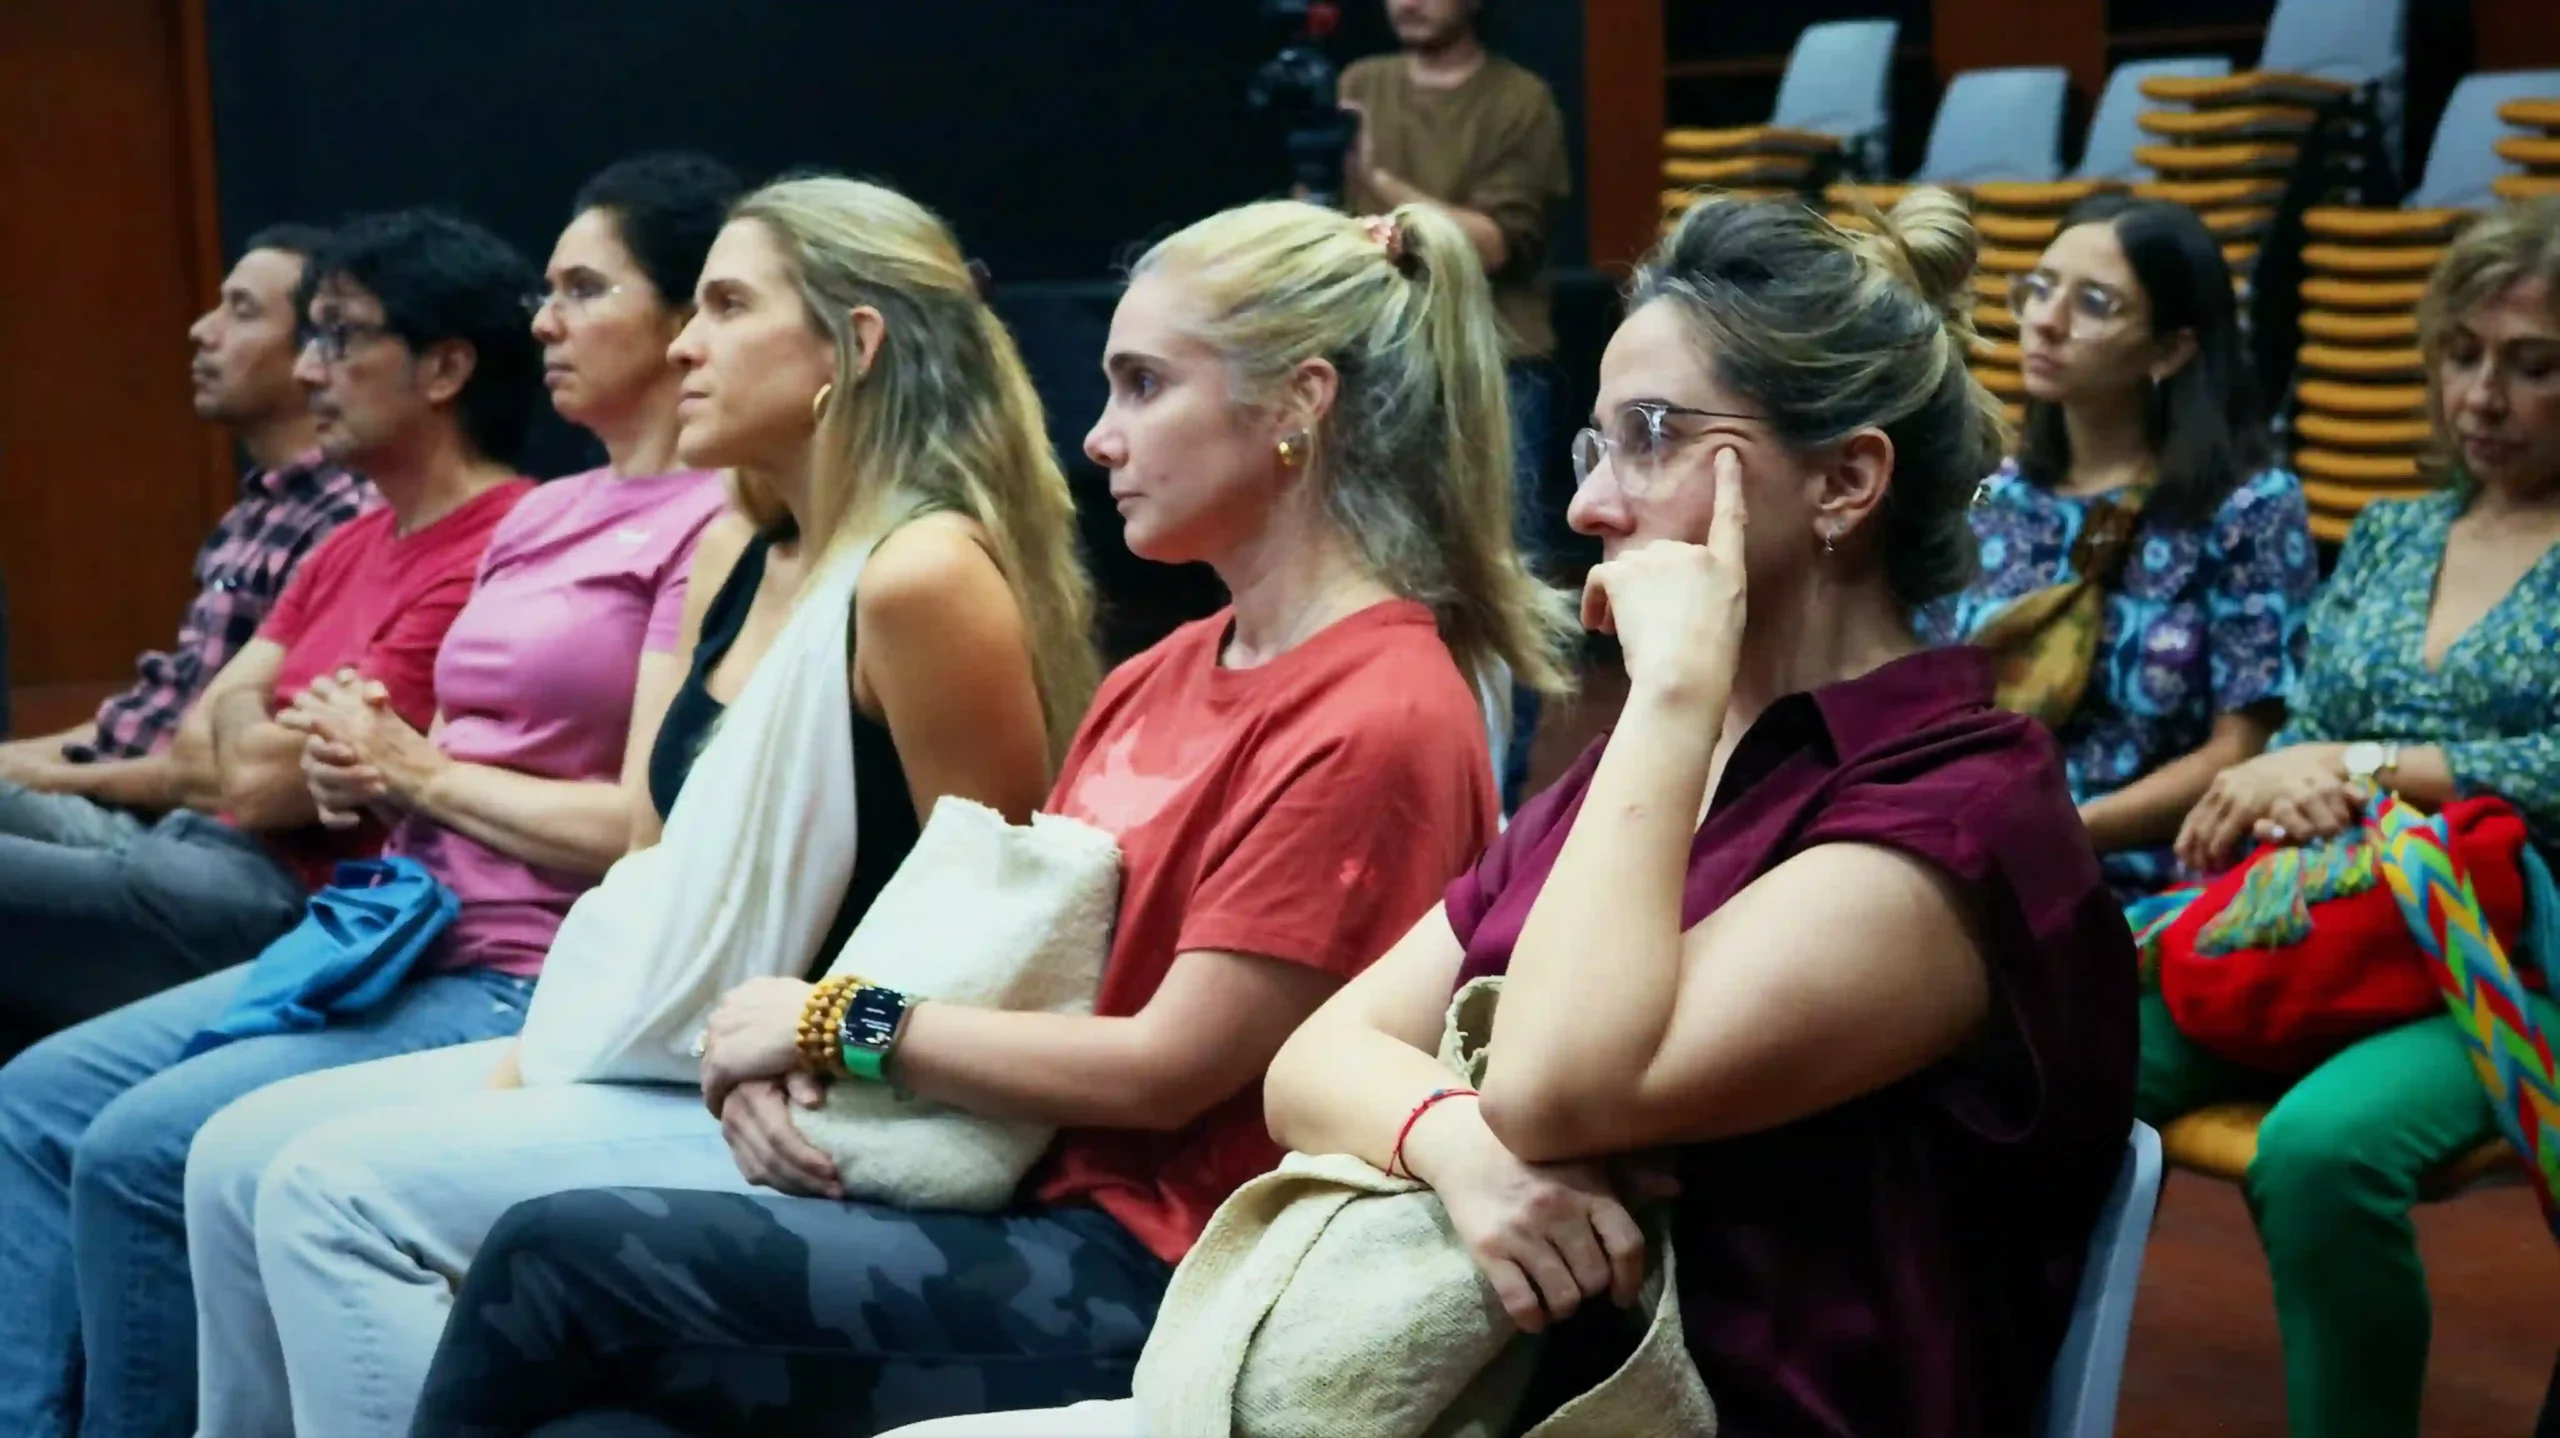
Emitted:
pixel 2434 671
pixel 2140 402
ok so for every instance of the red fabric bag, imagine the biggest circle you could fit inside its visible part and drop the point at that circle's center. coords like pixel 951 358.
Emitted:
pixel 2301 951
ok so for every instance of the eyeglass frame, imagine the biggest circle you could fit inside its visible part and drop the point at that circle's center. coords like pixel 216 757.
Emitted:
pixel 567 301
pixel 1631 480
pixel 2059 291
pixel 334 337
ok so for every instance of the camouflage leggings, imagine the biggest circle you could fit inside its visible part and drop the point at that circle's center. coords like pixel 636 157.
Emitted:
pixel 734 1313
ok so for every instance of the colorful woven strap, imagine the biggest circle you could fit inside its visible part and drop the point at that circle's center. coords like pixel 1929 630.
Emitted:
pixel 2509 1050
pixel 2149 919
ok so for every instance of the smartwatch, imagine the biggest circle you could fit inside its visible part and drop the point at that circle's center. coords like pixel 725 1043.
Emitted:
pixel 2367 762
pixel 872 1018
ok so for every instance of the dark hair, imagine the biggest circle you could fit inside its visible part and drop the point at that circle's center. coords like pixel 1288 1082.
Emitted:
pixel 1827 331
pixel 669 208
pixel 291 238
pixel 2206 428
pixel 439 278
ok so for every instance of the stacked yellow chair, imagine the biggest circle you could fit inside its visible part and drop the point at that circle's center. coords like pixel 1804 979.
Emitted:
pixel 2227 149
pixel 1830 119
pixel 2535 153
pixel 2359 397
pixel 1993 127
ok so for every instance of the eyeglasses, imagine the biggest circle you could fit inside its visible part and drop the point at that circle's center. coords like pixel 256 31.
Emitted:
pixel 1636 444
pixel 336 337
pixel 573 297
pixel 2090 310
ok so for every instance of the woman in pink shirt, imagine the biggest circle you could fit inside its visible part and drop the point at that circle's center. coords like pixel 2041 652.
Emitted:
pixel 550 686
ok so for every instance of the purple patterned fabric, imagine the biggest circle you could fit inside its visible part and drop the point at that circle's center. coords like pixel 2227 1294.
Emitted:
pixel 2207 620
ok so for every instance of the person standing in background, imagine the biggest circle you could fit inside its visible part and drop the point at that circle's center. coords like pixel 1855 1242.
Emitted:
pixel 86 786
pixel 1448 123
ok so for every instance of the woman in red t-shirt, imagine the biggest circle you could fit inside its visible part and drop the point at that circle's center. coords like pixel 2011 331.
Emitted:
pixel 1813 939
pixel 1313 406
pixel 1813 944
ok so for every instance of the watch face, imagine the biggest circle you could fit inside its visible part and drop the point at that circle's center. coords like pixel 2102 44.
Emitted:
pixel 2363 758
pixel 871 1018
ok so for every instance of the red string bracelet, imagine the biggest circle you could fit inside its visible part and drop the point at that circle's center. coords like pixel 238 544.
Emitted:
pixel 1395 1157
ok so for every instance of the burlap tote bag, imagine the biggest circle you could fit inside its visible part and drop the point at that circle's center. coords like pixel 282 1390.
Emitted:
pixel 1328 1300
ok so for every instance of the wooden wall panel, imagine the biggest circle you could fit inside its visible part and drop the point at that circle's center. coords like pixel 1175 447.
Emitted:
pixel 107 480
pixel 2515 34
pixel 1623 100
pixel 1992 34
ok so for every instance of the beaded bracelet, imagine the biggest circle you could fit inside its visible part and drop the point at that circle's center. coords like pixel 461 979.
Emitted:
pixel 820 1018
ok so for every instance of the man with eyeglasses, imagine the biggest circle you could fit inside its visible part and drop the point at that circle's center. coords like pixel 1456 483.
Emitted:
pixel 421 373
pixel 97 784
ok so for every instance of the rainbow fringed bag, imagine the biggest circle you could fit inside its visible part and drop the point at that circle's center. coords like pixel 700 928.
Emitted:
pixel 2480 984
pixel 2220 955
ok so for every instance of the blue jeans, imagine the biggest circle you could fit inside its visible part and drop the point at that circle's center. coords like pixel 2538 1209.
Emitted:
pixel 86 928
pixel 95 1123
pixel 64 819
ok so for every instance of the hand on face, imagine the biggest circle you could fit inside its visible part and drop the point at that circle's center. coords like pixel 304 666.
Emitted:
pixel 1677 609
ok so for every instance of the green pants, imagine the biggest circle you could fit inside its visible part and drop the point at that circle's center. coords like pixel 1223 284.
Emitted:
pixel 2339 1159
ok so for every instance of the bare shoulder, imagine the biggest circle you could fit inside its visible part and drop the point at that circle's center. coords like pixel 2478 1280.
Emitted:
pixel 930 566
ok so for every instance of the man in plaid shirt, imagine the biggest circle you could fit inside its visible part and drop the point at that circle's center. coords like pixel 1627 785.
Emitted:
pixel 87 785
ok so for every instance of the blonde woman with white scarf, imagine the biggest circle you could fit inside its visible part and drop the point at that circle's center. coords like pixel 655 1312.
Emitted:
pixel 904 507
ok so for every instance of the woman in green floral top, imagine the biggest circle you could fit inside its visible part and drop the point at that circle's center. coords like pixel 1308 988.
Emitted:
pixel 2435 672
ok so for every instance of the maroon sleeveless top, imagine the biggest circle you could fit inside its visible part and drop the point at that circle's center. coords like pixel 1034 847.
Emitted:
pixel 1904 1264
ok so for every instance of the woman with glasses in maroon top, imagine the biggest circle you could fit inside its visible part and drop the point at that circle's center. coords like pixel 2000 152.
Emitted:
pixel 1815 933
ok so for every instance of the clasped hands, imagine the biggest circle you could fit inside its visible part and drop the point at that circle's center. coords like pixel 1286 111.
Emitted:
pixel 753 1074
pixel 2298 795
pixel 357 752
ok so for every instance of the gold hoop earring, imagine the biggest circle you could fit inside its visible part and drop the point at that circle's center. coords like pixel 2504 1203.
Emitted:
pixel 818 406
pixel 1292 448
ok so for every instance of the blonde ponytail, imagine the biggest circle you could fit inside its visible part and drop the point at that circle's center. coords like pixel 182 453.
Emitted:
pixel 1415 455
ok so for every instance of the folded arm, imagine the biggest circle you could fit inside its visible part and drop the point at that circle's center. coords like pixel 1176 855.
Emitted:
pixel 1210 1031
pixel 256 763
pixel 1347 1077
pixel 152 783
pixel 580 826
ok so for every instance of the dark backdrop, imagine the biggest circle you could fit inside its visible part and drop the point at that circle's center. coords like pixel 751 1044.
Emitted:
pixel 1056 136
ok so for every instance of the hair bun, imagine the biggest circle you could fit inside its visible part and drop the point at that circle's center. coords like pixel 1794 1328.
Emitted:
pixel 1928 240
